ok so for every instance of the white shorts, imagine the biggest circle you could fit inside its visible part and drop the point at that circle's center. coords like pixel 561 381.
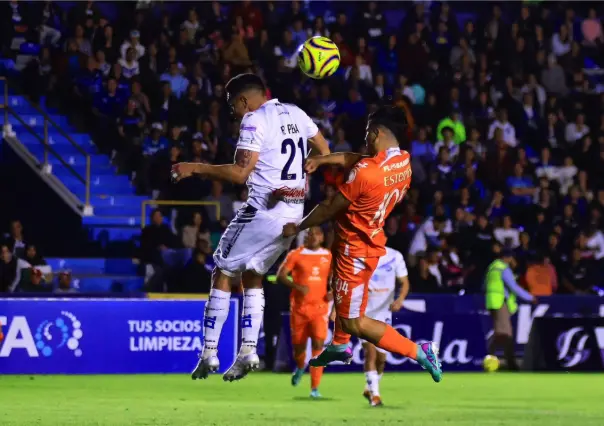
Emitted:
pixel 381 315
pixel 251 242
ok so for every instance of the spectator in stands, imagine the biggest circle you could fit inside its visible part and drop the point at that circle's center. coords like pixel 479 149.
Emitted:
pixel 33 257
pixel 178 83
pixel 453 121
pixel 8 269
pixel 541 278
pixel 14 240
pixel 154 149
pixel 578 274
pixel 32 280
pixel 218 198
pixel 132 43
pixel 156 238
pixel 64 284
pixel 195 231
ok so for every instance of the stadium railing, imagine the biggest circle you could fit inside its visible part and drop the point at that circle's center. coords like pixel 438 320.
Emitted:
pixel 49 124
pixel 175 203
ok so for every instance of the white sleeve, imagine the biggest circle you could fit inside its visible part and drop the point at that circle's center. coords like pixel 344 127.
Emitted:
pixel 400 266
pixel 310 127
pixel 251 132
pixel 492 129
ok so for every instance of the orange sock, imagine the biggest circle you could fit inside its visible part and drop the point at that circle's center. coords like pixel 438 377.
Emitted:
pixel 393 341
pixel 339 336
pixel 300 359
pixel 315 372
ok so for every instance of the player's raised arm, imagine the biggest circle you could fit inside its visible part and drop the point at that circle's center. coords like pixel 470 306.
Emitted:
pixel 251 136
pixel 238 172
pixel 346 160
pixel 319 145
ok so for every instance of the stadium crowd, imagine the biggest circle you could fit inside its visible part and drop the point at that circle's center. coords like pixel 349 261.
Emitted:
pixel 506 114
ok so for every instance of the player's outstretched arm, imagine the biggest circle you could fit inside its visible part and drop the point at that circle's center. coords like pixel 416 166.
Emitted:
pixel 319 145
pixel 346 160
pixel 324 211
pixel 237 173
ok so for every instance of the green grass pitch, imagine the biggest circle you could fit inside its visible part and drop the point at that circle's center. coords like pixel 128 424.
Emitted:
pixel 269 399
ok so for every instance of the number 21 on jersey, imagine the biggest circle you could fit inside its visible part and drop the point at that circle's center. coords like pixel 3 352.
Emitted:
pixel 288 147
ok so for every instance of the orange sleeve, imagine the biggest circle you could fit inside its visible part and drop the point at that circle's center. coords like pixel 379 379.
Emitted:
pixel 291 260
pixel 355 183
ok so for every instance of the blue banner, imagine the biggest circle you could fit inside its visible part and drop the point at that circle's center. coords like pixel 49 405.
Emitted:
pixel 460 337
pixel 522 321
pixel 107 336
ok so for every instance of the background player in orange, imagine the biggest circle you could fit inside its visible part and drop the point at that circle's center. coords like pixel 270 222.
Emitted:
pixel 375 184
pixel 309 266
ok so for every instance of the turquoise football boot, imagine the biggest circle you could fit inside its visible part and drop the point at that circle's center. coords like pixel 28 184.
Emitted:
pixel 297 376
pixel 427 357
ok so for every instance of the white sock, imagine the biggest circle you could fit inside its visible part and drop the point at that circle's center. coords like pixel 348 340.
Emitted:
pixel 373 382
pixel 251 318
pixel 216 313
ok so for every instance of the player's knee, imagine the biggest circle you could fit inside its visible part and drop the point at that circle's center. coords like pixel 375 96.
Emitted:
pixel 317 344
pixel 251 279
pixel 220 280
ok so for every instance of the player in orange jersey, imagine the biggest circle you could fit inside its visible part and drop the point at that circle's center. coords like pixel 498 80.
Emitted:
pixel 375 184
pixel 309 267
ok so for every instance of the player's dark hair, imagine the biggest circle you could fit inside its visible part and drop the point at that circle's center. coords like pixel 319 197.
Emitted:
pixel 393 119
pixel 243 82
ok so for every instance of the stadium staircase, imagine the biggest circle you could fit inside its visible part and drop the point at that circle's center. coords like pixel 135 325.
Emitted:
pixel 86 179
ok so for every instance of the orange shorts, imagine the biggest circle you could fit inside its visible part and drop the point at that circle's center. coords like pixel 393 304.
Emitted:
pixel 308 326
pixel 351 277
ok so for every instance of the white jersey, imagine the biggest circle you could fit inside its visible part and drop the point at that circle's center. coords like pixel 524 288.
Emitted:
pixel 279 133
pixel 383 281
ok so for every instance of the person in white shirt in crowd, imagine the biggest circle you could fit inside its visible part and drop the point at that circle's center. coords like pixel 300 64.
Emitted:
pixel 428 234
pixel 404 88
pixel 545 166
pixel 365 73
pixel 323 122
pixel 565 175
pixel 595 242
pixel 533 86
pixel 192 24
pixel 577 129
pixel 561 41
pixel 506 234
pixel 134 42
pixel 449 143
pixel 501 122
pixel 379 86
pixel 381 303
pixel 130 67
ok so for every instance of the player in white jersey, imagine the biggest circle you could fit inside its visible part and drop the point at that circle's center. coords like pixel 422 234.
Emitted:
pixel 272 147
pixel 391 270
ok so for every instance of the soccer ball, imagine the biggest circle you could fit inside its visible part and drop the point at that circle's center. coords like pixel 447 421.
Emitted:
pixel 490 363
pixel 318 57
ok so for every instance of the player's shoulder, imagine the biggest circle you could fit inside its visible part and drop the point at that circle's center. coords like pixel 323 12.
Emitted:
pixel 297 251
pixel 321 251
pixel 394 253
